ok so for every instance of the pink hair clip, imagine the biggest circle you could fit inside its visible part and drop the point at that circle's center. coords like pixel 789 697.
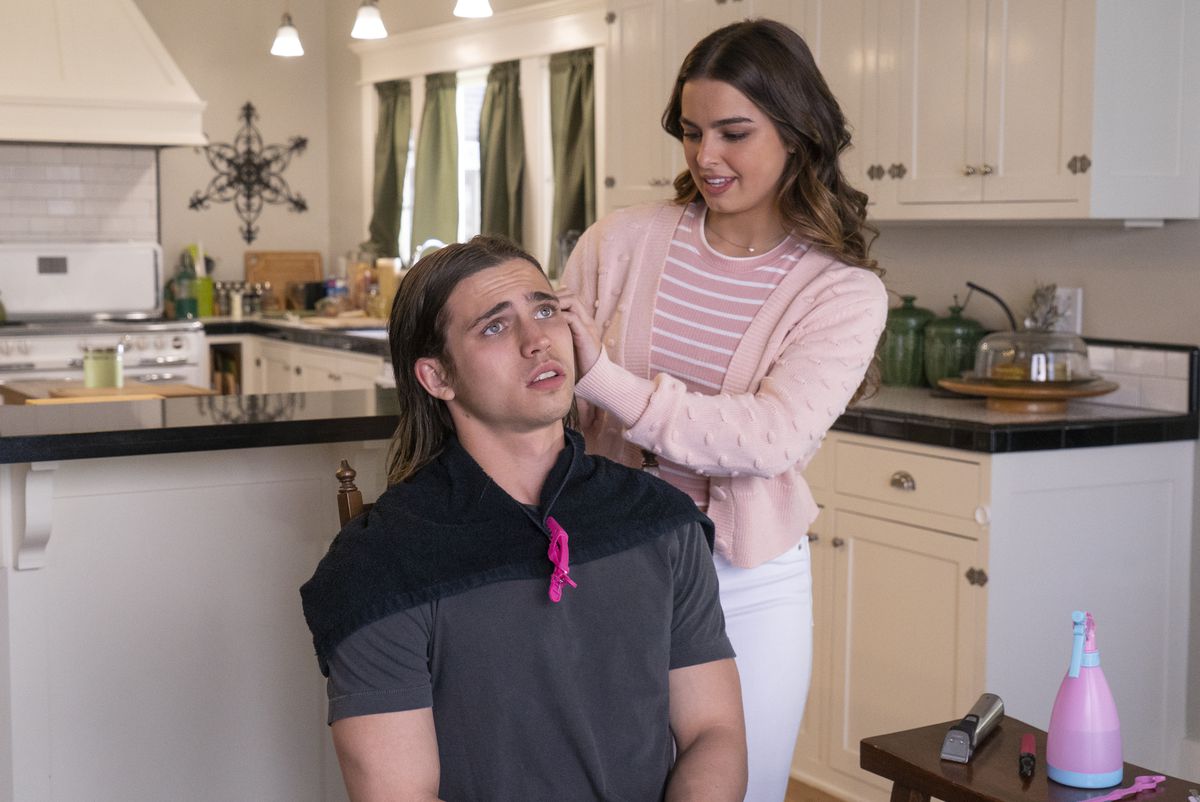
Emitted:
pixel 560 555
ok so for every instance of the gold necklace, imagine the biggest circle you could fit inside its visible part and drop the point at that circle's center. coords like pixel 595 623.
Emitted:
pixel 749 249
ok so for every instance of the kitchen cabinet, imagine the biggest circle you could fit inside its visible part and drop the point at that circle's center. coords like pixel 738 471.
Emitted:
pixel 288 368
pixel 939 574
pixel 959 109
pixel 648 40
pixel 268 365
pixel 1032 109
pixel 855 43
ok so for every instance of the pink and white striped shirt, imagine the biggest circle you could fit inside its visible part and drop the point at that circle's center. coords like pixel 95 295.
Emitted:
pixel 705 303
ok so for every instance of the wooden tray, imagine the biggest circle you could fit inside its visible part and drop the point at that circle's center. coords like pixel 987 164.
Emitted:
pixel 1007 397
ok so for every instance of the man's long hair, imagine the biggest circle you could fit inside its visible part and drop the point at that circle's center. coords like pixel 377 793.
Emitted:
pixel 417 329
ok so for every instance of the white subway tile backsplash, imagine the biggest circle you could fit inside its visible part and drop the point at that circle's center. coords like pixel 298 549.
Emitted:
pixel 47 154
pixel 1178 365
pixel 1168 394
pixel 77 193
pixel 1101 358
pixel 1127 394
pixel 1141 361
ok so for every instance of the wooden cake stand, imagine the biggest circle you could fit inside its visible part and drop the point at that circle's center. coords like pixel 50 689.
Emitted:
pixel 1028 396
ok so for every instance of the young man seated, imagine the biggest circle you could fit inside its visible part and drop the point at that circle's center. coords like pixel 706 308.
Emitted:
pixel 515 619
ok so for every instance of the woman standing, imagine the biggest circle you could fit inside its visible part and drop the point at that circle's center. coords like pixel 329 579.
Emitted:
pixel 735 325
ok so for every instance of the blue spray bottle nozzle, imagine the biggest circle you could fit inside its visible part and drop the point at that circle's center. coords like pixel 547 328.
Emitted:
pixel 1079 629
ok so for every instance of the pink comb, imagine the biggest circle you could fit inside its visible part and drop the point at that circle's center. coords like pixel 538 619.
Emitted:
pixel 1142 782
pixel 560 555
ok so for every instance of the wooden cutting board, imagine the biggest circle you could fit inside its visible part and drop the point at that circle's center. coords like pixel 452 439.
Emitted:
pixel 348 322
pixel 23 392
pixel 282 268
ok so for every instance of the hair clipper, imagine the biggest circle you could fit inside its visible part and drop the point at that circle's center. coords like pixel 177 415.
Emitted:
pixel 965 737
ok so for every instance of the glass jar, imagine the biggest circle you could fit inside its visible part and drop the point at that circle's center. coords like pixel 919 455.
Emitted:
pixel 104 366
pixel 950 346
pixel 902 349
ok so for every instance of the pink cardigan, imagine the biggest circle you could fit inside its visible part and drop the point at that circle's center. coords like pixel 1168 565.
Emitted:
pixel 790 377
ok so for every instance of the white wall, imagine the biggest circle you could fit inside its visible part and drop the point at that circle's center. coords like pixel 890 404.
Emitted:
pixel 222 47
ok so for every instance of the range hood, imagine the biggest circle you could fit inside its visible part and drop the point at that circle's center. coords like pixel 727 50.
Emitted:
pixel 91 71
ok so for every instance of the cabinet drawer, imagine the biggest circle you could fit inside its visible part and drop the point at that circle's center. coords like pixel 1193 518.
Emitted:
pixel 919 481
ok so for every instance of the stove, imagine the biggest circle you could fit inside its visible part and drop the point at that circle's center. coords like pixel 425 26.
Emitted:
pixel 62 298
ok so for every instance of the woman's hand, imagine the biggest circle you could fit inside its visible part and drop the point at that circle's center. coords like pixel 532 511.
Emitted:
pixel 583 330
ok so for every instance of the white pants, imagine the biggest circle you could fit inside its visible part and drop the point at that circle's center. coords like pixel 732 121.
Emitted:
pixel 768 617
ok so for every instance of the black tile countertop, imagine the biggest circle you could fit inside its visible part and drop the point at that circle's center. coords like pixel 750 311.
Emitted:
pixel 113 429
pixel 301 334
pixel 916 415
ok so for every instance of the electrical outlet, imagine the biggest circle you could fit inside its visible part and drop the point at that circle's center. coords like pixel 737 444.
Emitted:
pixel 1069 301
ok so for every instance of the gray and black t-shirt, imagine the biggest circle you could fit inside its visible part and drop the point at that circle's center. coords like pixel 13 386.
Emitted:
pixel 534 700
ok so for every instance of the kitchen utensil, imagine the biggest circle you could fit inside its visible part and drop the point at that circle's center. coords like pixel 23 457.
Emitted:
pixel 1032 356
pixel 950 345
pixel 965 736
pixel 1010 396
pixel 1142 782
pixel 1083 742
pixel 902 349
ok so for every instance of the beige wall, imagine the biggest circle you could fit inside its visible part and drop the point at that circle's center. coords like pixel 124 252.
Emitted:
pixel 222 47
pixel 1138 284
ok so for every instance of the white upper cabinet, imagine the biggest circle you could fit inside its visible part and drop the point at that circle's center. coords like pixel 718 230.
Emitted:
pixel 648 40
pixel 959 109
pixel 855 44
pixel 1036 109
pixel 994 101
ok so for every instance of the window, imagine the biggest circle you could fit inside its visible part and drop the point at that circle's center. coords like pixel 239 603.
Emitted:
pixel 471 86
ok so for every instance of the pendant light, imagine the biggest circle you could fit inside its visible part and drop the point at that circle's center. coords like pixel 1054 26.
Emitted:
pixel 368 24
pixel 287 39
pixel 473 9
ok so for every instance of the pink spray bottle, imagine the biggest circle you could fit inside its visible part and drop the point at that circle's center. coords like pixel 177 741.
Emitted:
pixel 1083 745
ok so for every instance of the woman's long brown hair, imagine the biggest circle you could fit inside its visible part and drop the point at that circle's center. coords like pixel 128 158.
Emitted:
pixel 772 66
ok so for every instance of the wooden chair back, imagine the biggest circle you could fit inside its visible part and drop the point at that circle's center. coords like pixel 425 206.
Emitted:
pixel 349 499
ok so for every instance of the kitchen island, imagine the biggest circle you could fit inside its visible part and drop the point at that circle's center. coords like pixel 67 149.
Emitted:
pixel 151 641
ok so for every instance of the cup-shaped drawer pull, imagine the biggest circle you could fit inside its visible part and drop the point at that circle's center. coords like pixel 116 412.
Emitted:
pixel 903 480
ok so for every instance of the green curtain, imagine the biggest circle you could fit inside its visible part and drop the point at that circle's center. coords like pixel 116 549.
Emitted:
pixel 435 188
pixel 391 160
pixel 573 136
pixel 502 153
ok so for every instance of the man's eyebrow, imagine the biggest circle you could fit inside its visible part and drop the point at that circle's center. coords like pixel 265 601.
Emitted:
pixel 504 306
pixel 495 310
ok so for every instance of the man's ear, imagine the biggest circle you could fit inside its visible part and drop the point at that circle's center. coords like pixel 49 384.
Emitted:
pixel 432 376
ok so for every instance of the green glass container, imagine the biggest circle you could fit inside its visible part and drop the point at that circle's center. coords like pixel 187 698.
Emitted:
pixel 902 349
pixel 950 346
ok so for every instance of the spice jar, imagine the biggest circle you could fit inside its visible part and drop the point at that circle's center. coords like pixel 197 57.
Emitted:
pixel 104 366
pixel 950 345
pixel 902 349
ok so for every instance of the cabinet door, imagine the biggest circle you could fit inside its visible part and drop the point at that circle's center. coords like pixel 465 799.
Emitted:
pixel 855 44
pixel 904 633
pixel 638 154
pixel 337 371
pixel 942 59
pixel 278 369
pixel 1039 99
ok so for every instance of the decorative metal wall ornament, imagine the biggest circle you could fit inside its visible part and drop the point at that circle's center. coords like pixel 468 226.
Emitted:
pixel 250 174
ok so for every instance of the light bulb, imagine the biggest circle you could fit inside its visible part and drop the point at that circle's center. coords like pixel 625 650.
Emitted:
pixel 287 39
pixel 473 8
pixel 368 24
